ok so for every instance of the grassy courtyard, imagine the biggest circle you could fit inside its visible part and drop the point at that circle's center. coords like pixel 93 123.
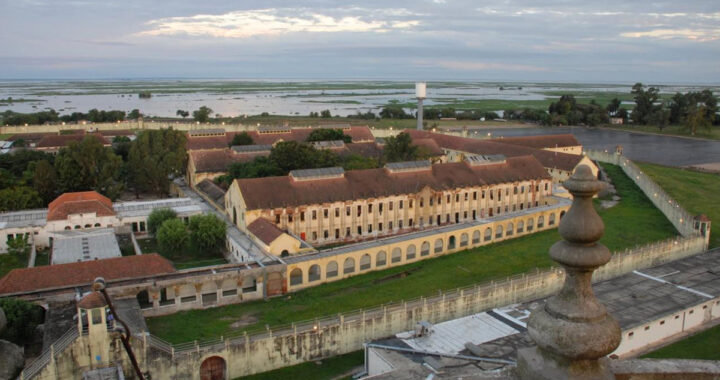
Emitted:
pixel 697 192
pixel 703 346
pixel 9 262
pixel 327 369
pixel 633 221
pixel 191 257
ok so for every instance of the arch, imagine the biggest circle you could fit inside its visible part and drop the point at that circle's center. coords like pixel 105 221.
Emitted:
pixel 331 270
pixel 349 265
pixel 213 368
pixel 551 220
pixel 396 255
pixel 296 276
pixel 88 225
pixel 425 249
pixel 488 234
pixel 520 227
pixel 410 252
pixel 144 299
pixel 314 273
pixel 284 253
pixel 510 229
pixel 67 227
pixel 380 259
pixel 464 240
pixel 365 262
pixel 541 221
pixel 451 242
pixel 499 232
pixel 77 227
pixel 562 213
pixel 530 224
pixel 438 245
pixel 97 224
pixel 476 237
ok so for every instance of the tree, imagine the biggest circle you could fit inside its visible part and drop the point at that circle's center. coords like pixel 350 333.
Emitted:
pixel 172 236
pixel 45 180
pixel 259 167
pixel 145 95
pixel 242 138
pixel 291 155
pixel 202 114
pixel 182 113
pixel 19 198
pixel 613 106
pixel 697 118
pixel 23 317
pixel 156 157
pixel 313 114
pixel 157 217
pixel 394 112
pixel 88 165
pixel 18 246
pixel 327 134
pixel 400 148
pixel 356 161
pixel 325 114
pixel 207 231
pixel 121 146
pixel 134 114
pixel 644 103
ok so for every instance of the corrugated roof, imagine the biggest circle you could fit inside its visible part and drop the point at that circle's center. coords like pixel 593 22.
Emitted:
pixel 271 192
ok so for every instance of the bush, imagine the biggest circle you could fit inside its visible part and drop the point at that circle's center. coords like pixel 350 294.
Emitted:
pixel 22 319
pixel 172 236
pixel 242 139
pixel 158 217
pixel 207 231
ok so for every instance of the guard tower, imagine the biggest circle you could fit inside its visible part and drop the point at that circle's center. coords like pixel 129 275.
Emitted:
pixel 93 322
pixel 420 94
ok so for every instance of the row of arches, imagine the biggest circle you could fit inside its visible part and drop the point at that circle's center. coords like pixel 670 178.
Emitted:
pixel 380 259
pixel 77 226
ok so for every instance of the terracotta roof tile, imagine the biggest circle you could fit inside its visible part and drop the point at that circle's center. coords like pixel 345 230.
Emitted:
pixel 264 230
pixel 272 192
pixel 207 142
pixel 59 141
pixel 79 203
pixel 548 159
pixel 214 161
pixel 92 301
pixel 117 132
pixel 83 273
pixel 357 133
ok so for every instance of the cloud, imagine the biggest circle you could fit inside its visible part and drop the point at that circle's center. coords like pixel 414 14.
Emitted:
pixel 667 34
pixel 269 22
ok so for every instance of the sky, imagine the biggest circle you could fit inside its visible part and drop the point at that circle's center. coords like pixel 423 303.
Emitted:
pixel 614 41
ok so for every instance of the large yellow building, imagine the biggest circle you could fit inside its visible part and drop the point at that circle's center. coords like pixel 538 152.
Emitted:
pixel 326 206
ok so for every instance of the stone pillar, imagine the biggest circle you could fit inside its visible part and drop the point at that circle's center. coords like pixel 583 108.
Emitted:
pixel 573 330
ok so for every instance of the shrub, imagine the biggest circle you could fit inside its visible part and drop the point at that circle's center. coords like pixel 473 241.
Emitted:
pixel 172 236
pixel 158 217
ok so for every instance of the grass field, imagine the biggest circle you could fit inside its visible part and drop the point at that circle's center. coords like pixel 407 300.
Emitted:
pixel 704 346
pixel 187 258
pixel 697 192
pixel 633 221
pixel 9 262
pixel 327 369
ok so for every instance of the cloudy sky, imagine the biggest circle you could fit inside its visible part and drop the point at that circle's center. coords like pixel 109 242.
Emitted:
pixel 550 40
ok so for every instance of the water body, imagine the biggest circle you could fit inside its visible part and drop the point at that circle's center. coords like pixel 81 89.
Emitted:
pixel 664 150
pixel 238 97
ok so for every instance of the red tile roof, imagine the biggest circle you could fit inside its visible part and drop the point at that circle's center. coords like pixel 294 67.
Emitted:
pixel 215 161
pixel 264 230
pixel 541 142
pixel 92 301
pixel 117 132
pixel 83 273
pixel 365 149
pixel 428 146
pixel 207 142
pixel 272 192
pixel 548 159
pixel 357 133
pixel 79 203
pixel 28 136
pixel 59 141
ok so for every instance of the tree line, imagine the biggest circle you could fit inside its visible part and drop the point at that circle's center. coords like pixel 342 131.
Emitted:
pixel 31 179
pixel 52 116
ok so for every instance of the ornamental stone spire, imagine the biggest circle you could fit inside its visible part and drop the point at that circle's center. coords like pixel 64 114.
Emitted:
pixel 573 331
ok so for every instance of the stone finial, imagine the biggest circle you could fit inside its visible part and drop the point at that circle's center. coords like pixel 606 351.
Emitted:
pixel 573 330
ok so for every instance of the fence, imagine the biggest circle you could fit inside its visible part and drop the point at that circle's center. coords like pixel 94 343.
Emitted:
pixel 46 356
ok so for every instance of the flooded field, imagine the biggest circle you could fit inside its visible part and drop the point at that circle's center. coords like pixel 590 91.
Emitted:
pixel 242 97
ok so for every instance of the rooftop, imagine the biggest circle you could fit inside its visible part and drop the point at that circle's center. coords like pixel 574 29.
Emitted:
pixel 84 245
pixel 59 141
pixel 79 203
pixel 264 230
pixel 541 142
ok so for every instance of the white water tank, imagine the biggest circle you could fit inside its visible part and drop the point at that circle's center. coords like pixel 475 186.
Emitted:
pixel 420 90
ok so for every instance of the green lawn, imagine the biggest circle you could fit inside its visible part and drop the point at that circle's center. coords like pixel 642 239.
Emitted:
pixel 325 370
pixel 673 130
pixel 633 221
pixel 190 257
pixel 42 258
pixel 704 345
pixel 697 192
pixel 9 262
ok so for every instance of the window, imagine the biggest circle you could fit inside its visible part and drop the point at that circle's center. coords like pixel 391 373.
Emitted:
pixel 410 222
pixel 396 256
pixel 359 230
pixel 457 197
pixel 541 221
pixel 277 218
pixel 290 218
pixel 380 227
pixel 369 229
pixel 439 201
pixel 431 200
pixel 96 316
pixel 365 262
pixel 314 273
pixel 491 195
pixel 438 245
pixel 390 206
pixel 331 270
pixel 425 249
pixel 381 259
pixel 347 231
pixel 530 224
pixel 474 214
pixel 483 194
pixel 401 205
pixel 463 240
pixel 515 190
pixel 466 196
pixel 359 211
pixel 551 220
pixel 510 229
pixel 476 237
pixel 546 186
pixel 347 210
pixel 488 234
pixel 314 215
pixel 499 232
pixel 390 225
pixel 296 277
pixel 421 202
pixel 520 227
pixel 302 216
pixel 337 233
pixel 400 223
pixel 337 212
pixel 370 208
pixel 474 195
pixel 380 208
pixel 314 235
pixel 325 213
pixel 325 234
pixel 349 265
pixel 448 198
pixel 410 253
pixel 499 195
pixel 410 203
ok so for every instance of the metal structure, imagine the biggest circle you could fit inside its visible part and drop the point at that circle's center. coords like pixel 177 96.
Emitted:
pixel 420 94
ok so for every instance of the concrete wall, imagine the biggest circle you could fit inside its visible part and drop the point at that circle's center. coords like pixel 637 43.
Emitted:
pixel 147 124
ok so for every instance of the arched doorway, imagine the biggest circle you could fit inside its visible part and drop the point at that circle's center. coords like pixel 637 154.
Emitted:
pixel 213 368
pixel 451 242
